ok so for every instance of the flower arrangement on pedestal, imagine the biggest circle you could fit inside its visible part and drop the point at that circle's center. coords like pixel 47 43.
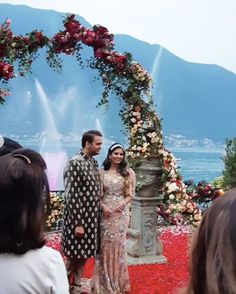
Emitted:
pixel 178 205
pixel 122 76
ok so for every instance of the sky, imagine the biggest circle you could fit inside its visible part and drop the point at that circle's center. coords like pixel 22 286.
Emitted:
pixel 202 31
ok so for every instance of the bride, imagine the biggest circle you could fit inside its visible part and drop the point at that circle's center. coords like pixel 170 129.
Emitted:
pixel 118 185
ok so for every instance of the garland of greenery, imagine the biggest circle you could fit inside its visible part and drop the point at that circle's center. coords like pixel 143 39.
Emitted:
pixel 122 76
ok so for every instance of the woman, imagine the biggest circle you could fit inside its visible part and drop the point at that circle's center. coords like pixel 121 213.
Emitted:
pixel 118 185
pixel 26 265
pixel 213 257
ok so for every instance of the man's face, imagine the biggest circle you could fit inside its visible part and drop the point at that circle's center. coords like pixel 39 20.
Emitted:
pixel 96 146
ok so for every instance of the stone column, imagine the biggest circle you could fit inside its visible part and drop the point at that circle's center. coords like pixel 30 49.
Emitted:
pixel 143 244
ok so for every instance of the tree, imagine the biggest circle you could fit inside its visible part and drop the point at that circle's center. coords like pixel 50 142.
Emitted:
pixel 229 173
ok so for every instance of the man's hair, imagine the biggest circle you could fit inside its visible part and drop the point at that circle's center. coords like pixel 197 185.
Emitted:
pixel 24 193
pixel 7 145
pixel 213 257
pixel 89 136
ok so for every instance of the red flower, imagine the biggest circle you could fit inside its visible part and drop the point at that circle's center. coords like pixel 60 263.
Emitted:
pixel 166 163
pixel 101 53
pixel 72 26
pixel 137 108
pixel 119 60
pixel 88 37
pixel 25 39
pixel 63 43
pixel 38 37
pixel 2 50
pixel 6 71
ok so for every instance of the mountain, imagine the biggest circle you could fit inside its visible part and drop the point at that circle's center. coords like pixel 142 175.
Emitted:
pixel 193 100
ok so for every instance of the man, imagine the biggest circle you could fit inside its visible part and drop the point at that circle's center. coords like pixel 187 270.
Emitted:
pixel 81 211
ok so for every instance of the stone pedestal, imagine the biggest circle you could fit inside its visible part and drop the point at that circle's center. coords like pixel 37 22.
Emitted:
pixel 143 244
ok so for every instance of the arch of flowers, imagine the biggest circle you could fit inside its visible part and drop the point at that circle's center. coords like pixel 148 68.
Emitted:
pixel 120 75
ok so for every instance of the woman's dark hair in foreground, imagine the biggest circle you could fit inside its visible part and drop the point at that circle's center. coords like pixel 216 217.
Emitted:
pixel 7 145
pixel 213 258
pixel 122 168
pixel 24 193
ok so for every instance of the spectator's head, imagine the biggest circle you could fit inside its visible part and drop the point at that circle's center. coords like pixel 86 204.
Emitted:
pixel 7 145
pixel 213 257
pixel 92 142
pixel 23 197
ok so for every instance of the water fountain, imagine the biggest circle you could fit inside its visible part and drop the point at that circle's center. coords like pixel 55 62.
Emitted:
pixel 51 147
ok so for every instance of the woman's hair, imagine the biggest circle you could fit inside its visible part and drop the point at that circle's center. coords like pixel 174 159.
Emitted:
pixel 123 166
pixel 8 145
pixel 213 257
pixel 24 193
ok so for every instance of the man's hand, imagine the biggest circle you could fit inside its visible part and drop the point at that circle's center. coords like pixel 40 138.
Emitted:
pixel 79 232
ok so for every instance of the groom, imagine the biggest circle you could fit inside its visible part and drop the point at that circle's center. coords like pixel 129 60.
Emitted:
pixel 82 205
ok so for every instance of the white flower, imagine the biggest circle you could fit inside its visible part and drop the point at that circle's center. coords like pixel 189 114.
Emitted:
pixel 154 140
pixel 172 172
pixel 197 217
pixel 184 202
pixel 171 196
pixel 173 187
pixel 189 205
pixel 178 207
pixel 172 206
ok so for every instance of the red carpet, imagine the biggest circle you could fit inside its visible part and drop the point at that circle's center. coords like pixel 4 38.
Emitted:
pixel 155 278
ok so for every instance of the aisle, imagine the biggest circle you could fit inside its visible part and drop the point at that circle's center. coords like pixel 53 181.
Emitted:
pixel 155 278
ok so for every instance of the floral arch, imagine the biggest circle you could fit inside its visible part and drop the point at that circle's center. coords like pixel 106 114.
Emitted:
pixel 121 76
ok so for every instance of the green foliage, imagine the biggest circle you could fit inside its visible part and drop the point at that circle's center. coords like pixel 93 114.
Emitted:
pixel 229 173
pixel 218 182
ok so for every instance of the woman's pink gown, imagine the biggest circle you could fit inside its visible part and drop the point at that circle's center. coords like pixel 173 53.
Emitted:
pixel 111 270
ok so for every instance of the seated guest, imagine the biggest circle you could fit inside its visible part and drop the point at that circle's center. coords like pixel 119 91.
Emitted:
pixel 26 265
pixel 213 256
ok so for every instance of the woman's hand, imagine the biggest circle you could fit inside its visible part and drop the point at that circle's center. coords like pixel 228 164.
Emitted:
pixel 120 206
pixel 106 211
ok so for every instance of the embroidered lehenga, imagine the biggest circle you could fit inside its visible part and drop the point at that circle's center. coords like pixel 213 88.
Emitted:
pixel 111 270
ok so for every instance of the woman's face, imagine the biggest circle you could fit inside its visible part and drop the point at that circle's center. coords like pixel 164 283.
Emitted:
pixel 117 156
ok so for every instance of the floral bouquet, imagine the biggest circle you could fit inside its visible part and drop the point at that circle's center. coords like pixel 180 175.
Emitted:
pixel 54 220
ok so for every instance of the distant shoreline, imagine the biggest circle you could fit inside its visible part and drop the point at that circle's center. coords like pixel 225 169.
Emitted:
pixel 196 149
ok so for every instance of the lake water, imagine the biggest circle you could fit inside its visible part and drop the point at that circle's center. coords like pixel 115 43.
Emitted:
pixel 200 165
pixel 195 164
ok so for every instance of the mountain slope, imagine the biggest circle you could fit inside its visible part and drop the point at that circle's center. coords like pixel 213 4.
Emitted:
pixel 192 99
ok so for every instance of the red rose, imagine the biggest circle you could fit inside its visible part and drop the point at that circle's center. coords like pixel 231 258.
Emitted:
pixel 72 26
pixel 38 37
pixel 6 71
